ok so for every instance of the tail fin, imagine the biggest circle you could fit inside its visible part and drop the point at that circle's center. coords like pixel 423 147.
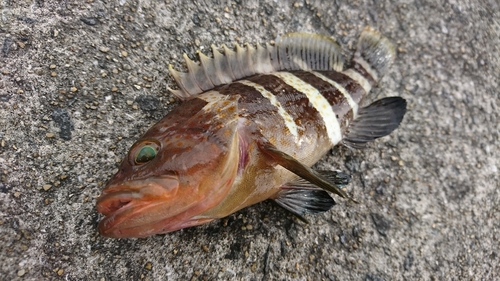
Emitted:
pixel 375 54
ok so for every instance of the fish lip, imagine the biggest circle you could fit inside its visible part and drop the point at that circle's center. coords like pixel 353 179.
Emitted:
pixel 119 201
pixel 115 202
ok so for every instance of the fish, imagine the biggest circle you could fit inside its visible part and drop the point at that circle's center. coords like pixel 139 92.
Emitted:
pixel 252 122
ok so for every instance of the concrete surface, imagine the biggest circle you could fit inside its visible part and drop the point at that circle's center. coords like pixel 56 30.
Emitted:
pixel 81 80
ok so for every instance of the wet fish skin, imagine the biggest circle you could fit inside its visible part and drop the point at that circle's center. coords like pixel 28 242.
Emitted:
pixel 252 123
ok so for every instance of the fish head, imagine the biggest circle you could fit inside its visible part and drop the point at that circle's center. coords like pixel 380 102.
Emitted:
pixel 172 174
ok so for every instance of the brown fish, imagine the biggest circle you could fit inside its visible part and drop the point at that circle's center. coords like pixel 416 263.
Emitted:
pixel 252 123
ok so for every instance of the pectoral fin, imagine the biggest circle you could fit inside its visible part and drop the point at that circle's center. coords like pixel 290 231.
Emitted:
pixel 294 166
pixel 376 120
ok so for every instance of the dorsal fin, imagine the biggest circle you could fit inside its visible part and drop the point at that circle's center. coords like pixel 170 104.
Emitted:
pixel 292 51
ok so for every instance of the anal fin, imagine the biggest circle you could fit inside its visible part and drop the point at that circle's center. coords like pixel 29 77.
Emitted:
pixel 376 120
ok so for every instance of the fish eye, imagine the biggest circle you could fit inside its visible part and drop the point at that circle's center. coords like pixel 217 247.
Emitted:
pixel 145 153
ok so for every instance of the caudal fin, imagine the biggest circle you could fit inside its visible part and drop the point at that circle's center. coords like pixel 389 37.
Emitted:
pixel 375 54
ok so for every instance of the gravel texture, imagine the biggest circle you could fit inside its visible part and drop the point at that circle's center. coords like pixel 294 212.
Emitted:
pixel 81 80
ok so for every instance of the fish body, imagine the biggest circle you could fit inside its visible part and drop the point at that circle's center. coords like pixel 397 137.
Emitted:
pixel 252 123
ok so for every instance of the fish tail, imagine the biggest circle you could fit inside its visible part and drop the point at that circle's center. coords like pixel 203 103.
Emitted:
pixel 374 55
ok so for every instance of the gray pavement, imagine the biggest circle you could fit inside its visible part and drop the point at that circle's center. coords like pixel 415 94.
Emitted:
pixel 81 80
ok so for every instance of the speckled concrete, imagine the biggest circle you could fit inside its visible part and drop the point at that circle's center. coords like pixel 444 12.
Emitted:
pixel 81 80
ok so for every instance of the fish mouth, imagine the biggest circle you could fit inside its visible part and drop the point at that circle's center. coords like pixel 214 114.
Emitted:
pixel 133 209
pixel 116 202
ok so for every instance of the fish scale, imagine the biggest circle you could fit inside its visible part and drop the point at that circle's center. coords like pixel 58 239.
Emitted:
pixel 252 123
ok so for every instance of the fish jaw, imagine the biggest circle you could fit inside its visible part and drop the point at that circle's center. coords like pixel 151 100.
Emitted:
pixel 144 208
pixel 134 208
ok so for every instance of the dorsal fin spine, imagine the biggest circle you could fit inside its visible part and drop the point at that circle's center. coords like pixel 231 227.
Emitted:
pixel 263 62
pixel 251 57
pixel 240 61
pixel 201 76
pixel 193 71
pixel 221 66
pixel 232 62
pixel 184 81
pixel 209 68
